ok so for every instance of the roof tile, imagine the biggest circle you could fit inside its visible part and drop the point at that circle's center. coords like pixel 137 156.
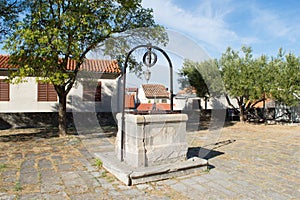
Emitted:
pixel 155 91
pixel 149 106
pixel 100 66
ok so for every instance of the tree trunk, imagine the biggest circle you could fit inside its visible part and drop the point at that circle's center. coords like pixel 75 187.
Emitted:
pixel 242 114
pixel 62 113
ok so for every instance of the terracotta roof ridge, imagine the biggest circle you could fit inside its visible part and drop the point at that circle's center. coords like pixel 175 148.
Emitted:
pixel 95 65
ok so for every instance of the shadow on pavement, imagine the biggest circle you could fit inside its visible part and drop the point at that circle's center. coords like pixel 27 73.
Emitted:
pixel 204 153
pixel 18 135
pixel 208 153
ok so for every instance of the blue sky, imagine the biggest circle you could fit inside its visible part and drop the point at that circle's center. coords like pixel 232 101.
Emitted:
pixel 216 24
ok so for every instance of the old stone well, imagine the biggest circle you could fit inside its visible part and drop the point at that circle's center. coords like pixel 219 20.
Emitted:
pixel 152 139
pixel 151 145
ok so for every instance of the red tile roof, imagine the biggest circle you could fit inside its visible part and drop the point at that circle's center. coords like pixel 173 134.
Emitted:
pixel 188 90
pixel 4 62
pixel 148 106
pixel 155 91
pixel 100 66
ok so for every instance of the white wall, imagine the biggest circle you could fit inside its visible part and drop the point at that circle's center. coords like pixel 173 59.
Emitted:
pixel 185 103
pixel 23 98
pixel 212 103
pixel 141 96
pixel 218 103
pixel 180 104
pixel 108 93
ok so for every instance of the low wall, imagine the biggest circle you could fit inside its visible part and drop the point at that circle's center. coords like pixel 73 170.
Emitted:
pixel 50 119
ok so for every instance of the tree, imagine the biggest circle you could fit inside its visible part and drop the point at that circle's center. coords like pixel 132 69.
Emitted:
pixel 9 12
pixel 248 80
pixel 286 75
pixel 204 76
pixel 245 79
pixel 55 31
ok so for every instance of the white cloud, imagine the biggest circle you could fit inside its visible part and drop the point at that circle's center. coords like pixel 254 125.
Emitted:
pixel 216 24
pixel 205 23
pixel 276 22
pixel 269 22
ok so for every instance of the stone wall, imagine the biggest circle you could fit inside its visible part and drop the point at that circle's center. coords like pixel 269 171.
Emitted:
pixel 49 119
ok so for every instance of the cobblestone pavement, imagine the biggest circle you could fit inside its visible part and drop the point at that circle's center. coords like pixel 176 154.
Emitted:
pixel 247 162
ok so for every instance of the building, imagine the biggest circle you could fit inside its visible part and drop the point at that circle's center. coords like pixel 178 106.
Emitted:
pixel 187 99
pixel 153 93
pixel 92 92
pixel 153 97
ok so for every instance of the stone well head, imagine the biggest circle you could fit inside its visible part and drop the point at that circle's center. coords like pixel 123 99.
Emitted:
pixel 148 140
pixel 151 140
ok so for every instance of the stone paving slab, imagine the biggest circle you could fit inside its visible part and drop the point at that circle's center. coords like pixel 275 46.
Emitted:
pixel 248 162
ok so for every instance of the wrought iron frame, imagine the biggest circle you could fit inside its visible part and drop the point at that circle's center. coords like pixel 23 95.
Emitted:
pixel 149 48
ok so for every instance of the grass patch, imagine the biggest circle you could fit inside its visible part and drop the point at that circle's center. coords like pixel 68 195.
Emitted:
pixel 18 186
pixel 39 177
pixel 104 174
pixel 109 177
pixel 98 163
pixel 3 166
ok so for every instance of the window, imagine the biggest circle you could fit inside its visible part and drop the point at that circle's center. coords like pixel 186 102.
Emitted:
pixel 46 92
pixel 4 90
pixel 91 91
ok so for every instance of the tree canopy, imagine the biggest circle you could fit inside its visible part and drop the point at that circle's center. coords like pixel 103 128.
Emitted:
pixel 244 78
pixel 55 31
pixel 204 76
pixel 9 14
pixel 248 79
pixel 285 71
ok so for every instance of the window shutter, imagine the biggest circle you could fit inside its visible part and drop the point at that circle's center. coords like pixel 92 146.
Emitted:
pixel 87 92
pixel 90 93
pixel 42 91
pixel 46 92
pixel 4 91
pixel 51 93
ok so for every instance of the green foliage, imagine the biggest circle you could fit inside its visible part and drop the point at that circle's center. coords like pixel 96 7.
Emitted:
pixel 3 166
pixel 247 79
pixel 9 11
pixel 286 75
pixel 251 80
pixel 18 186
pixel 109 177
pixel 53 32
pixel 205 77
pixel 104 174
pixel 98 163
pixel 242 74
